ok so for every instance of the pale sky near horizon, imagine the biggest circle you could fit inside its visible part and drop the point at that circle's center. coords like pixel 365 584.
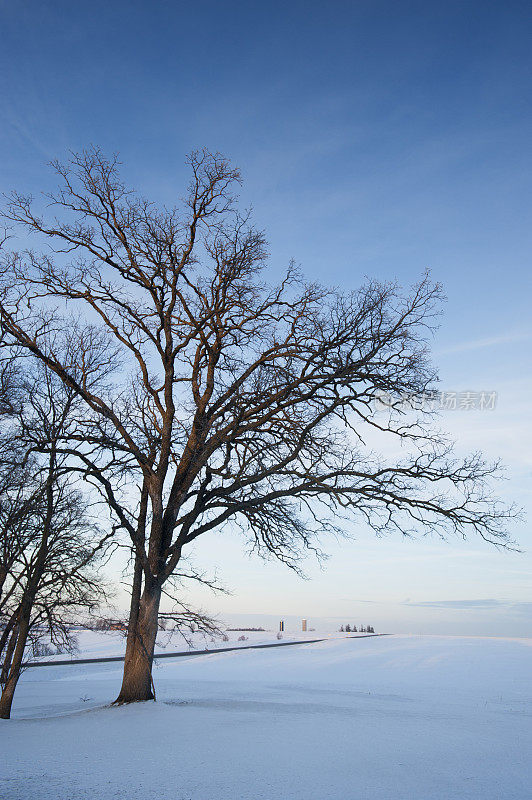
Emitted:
pixel 375 138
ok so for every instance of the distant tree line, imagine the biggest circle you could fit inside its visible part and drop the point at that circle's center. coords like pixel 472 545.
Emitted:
pixel 361 629
pixel 245 630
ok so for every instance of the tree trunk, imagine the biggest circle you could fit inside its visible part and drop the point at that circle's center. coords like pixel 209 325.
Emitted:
pixel 134 609
pixel 8 641
pixel 6 700
pixel 137 683
pixel 11 640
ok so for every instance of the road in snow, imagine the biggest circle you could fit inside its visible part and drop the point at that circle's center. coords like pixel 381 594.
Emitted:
pixel 387 718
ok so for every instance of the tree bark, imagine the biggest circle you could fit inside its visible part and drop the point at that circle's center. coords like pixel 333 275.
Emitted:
pixel 134 608
pixel 10 638
pixel 137 683
pixel 6 700
pixel 7 643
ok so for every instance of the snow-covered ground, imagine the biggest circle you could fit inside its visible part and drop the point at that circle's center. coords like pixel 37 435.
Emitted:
pixel 387 718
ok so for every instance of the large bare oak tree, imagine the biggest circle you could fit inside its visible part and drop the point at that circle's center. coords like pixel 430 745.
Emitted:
pixel 232 401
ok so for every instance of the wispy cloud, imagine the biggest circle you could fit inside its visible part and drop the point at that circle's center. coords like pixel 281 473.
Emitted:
pixel 458 605
pixel 26 131
pixel 523 608
pixel 489 341
pixel 485 604
pixel 480 604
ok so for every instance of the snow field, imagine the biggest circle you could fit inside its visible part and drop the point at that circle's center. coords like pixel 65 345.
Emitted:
pixel 385 718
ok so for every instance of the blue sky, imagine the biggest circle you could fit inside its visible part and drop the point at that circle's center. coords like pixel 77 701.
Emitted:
pixel 375 138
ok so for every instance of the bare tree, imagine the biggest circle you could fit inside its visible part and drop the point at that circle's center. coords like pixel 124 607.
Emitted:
pixel 48 545
pixel 232 401
pixel 47 587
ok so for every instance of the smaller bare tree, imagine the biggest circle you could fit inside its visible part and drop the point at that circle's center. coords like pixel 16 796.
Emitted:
pixel 48 545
